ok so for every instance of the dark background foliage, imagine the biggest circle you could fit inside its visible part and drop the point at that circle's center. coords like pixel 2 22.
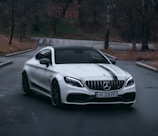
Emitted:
pixel 128 20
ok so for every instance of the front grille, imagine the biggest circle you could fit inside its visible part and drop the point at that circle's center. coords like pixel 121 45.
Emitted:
pixel 100 85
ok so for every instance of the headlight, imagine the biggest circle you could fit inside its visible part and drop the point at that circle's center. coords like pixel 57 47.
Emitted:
pixel 73 81
pixel 130 82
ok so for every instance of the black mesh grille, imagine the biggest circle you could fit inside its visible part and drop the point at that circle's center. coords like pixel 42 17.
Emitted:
pixel 81 98
pixel 99 85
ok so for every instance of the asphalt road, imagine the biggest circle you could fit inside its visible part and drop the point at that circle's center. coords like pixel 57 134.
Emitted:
pixel 22 115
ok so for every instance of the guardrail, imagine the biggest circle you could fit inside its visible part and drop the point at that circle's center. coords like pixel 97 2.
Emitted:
pixel 89 43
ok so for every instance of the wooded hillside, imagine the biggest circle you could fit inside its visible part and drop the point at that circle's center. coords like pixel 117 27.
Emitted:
pixel 128 20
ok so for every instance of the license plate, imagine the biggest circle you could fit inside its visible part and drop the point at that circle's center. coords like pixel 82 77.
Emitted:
pixel 106 94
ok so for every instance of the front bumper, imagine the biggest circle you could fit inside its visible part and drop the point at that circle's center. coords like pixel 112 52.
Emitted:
pixel 84 96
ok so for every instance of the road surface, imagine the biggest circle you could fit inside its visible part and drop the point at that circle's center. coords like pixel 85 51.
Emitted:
pixel 22 115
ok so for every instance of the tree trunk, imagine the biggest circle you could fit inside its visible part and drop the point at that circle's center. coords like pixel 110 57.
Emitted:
pixel 155 4
pixel 55 23
pixel 12 25
pixel 145 36
pixel 106 42
pixel 20 33
pixel 65 7
pixel 145 27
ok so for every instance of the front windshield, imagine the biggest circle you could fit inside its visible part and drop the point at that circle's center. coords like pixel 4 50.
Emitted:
pixel 68 56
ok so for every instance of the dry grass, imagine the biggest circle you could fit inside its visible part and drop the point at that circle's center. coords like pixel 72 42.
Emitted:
pixel 16 46
pixel 136 55
pixel 148 57
pixel 152 63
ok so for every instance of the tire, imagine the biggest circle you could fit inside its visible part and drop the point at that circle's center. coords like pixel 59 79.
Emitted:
pixel 25 84
pixel 55 95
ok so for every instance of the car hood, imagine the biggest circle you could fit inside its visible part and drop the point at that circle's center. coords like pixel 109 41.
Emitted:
pixel 93 71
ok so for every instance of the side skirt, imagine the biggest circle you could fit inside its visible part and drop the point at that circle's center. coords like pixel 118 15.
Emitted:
pixel 40 89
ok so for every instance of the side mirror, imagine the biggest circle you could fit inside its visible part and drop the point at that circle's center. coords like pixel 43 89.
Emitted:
pixel 45 61
pixel 113 61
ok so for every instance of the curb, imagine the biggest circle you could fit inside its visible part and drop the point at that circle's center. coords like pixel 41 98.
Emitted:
pixel 12 54
pixel 19 52
pixel 147 66
pixel 5 63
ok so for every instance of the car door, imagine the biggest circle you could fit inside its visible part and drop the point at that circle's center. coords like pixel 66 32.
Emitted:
pixel 43 73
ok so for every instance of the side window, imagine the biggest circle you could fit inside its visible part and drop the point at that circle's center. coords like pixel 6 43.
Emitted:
pixel 44 54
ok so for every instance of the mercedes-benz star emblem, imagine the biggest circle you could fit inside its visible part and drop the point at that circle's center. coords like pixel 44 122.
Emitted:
pixel 106 86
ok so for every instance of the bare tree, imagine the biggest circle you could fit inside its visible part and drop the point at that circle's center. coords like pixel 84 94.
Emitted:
pixel 22 18
pixel 155 4
pixel 136 22
pixel 55 20
pixel 65 5
pixel 145 27
pixel 109 7
pixel 12 22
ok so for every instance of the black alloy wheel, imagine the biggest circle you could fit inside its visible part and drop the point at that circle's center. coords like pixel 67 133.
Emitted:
pixel 25 84
pixel 56 98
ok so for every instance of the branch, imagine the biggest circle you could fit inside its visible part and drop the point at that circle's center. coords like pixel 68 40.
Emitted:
pixel 65 6
pixel 155 4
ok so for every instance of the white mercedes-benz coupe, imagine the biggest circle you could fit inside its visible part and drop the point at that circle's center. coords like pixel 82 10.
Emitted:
pixel 77 75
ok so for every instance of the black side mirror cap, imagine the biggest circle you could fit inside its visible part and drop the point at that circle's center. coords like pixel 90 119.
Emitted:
pixel 45 61
pixel 113 61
